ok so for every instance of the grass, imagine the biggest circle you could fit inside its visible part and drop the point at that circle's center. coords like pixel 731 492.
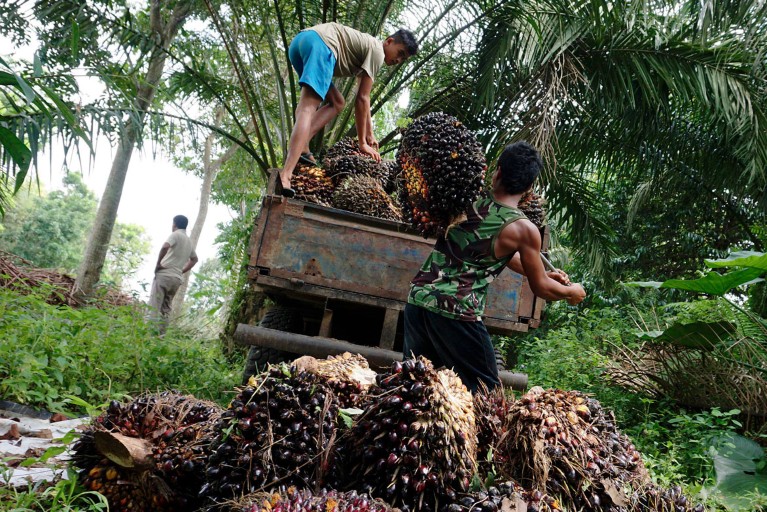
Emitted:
pixel 59 358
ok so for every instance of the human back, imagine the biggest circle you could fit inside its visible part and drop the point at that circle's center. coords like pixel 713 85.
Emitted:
pixel 453 280
pixel 178 254
pixel 356 52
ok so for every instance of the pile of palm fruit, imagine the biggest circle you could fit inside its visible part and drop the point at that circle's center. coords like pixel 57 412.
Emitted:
pixel 304 500
pixel 532 205
pixel 177 428
pixel 349 180
pixel 415 444
pixel 312 184
pixel 438 173
pixel 333 435
pixel 443 168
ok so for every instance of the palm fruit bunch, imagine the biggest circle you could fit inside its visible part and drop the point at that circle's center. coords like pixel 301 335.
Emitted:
pixel 175 426
pixel 342 167
pixel 532 205
pixel 506 496
pixel 364 194
pixel 347 146
pixel 294 500
pixel 348 375
pixel 391 172
pixel 443 168
pixel 653 497
pixel 490 410
pixel 312 184
pixel 415 444
pixel 563 442
pixel 127 490
pixel 345 159
pixel 278 429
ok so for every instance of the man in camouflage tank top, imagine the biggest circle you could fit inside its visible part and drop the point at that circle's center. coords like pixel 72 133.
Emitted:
pixel 443 317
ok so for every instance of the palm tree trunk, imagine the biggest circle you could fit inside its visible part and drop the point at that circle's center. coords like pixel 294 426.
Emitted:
pixel 98 241
pixel 210 169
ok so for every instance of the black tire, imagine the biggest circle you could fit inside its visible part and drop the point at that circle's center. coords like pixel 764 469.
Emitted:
pixel 500 360
pixel 281 318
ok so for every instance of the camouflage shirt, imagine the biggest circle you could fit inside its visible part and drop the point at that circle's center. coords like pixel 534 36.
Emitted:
pixel 454 278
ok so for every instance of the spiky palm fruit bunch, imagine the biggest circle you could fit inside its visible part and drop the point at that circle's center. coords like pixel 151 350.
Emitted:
pixel 347 146
pixel 415 445
pixel 490 410
pixel 312 184
pixel 392 171
pixel 127 490
pixel 565 443
pixel 279 429
pixel 176 426
pixel 655 498
pixel 443 168
pixel 348 375
pixel 294 500
pixel 505 496
pixel 532 205
pixel 365 195
pixel 342 167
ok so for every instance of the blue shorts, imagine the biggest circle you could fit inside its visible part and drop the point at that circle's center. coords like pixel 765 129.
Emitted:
pixel 313 61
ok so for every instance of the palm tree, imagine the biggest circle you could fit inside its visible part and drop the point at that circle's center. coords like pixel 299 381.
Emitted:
pixel 659 93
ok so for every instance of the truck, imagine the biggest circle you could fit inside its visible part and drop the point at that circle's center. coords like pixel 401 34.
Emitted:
pixel 338 281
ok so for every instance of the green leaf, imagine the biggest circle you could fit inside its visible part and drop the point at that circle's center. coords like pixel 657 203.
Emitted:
pixel 75 44
pixel 29 93
pixel 52 452
pixel 751 259
pixel 28 462
pixel 37 66
pixel 19 152
pixel 739 464
pixel 714 283
pixel 8 78
pixel 692 335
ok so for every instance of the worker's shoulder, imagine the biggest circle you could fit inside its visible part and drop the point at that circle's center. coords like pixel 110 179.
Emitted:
pixel 520 231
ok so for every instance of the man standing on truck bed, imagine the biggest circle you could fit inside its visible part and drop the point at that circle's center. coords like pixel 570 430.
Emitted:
pixel 318 54
pixel 447 296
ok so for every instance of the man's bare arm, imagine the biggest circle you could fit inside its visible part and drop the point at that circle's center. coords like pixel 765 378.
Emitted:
pixel 362 117
pixel 524 238
pixel 189 264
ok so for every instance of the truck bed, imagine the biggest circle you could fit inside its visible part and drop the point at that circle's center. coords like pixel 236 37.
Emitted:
pixel 302 250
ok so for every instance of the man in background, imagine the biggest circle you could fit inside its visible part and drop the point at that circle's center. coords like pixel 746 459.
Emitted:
pixel 176 258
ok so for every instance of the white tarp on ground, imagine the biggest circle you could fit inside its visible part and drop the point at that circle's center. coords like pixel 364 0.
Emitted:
pixel 36 436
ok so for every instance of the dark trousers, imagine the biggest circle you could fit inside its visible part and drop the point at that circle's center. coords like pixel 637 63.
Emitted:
pixel 463 346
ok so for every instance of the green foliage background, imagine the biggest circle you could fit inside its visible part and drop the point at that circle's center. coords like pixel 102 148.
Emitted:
pixel 48 354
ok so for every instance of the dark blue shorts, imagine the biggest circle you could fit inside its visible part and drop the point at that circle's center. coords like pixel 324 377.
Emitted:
pixel 463 346
pixel 313 61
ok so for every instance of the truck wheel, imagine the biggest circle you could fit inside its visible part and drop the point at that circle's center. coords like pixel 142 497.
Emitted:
pixel 500 360
pixel 281 318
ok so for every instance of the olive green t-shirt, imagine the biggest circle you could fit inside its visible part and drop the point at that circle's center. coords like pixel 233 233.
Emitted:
pixel 355 51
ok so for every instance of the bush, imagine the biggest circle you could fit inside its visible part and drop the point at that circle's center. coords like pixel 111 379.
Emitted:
pixel 48 354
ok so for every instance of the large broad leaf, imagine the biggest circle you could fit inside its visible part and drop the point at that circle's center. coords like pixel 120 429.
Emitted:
pixel 750 259
pixel 19 152
pixel 714 283
pixel 740 465
pixel 692 335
